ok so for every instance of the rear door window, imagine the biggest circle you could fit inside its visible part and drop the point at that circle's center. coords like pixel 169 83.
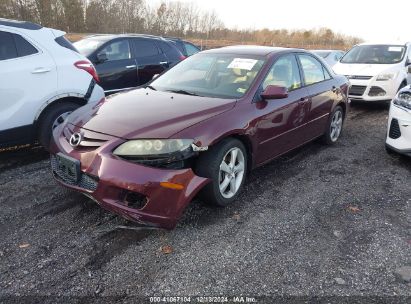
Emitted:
pixel 117 50
pixel 24 48
pixel 144 48
pixel 7 46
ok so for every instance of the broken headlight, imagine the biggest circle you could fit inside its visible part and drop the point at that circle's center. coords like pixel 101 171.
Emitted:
pixel 164 153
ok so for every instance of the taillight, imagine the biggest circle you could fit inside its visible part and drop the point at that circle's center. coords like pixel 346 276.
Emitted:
pixel 88 67
pixel 182 57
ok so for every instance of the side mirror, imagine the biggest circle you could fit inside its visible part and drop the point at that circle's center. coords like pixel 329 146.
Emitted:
pixel 408 62
pixel 274 92
pixel 102 57
pixel 409 69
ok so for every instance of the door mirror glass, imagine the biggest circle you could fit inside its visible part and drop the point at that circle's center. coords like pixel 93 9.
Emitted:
pixel 274 92
pixel 102 57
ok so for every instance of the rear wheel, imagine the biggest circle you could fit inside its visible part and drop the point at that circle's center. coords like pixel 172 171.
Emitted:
pixel 50 120
pixel 334 127
pixel 226 165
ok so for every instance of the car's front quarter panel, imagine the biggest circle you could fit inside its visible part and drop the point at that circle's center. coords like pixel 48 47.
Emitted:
pixel 118 178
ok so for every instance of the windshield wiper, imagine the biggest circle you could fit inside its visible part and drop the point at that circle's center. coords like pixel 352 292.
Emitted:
pixel 183 92
pixel 151 87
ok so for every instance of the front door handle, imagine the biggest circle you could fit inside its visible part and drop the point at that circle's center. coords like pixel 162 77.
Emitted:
pixel 131 66
pixel 40 70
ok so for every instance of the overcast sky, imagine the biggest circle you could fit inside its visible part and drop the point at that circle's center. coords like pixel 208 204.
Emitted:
pixel 367 19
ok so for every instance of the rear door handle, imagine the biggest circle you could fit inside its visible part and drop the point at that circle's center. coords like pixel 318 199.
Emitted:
pixel 131 66
pixel 40 70
pixel 163 62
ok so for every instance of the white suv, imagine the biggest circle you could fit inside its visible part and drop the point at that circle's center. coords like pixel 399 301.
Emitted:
pixel 376 71
pixel 42 80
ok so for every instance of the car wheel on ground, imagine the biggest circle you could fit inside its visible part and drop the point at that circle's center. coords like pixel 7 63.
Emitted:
pixel 52 119
pixel 335 125
pixel 226 165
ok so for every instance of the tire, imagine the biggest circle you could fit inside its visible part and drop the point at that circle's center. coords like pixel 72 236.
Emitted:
pixel 208 165
pixel 329 137
pixel 50 118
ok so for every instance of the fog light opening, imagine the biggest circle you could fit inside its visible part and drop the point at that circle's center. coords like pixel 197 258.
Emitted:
pixel 134 200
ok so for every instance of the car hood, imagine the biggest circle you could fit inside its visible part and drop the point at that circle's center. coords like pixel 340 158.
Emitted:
pixel 363 69
pixel 144 113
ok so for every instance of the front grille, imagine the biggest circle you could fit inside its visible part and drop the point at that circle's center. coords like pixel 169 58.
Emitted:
pixel 86 181
pixel 357 90
pixel 395 131
pixel 376 91
pixel 359 77
pixel 89 139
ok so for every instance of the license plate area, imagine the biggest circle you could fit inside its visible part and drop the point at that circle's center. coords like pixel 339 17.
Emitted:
pixel 68 168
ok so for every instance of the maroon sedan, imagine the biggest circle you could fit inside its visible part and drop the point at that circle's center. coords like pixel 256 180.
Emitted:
pixel 198 129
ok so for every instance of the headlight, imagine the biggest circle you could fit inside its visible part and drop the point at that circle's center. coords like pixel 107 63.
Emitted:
pixel 403 99
pixel 385 77
pixel 153 147
pixel 161 153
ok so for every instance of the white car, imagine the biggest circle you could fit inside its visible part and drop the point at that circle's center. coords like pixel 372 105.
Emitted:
pixel 329 56
pixel 376 71
pixel 399 123
pixel 42 79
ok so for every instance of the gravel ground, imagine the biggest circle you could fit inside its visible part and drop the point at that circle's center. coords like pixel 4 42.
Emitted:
pixel 317 225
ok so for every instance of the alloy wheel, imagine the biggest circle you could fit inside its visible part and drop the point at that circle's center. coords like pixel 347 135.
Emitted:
pixel 336 126
pixel 231 172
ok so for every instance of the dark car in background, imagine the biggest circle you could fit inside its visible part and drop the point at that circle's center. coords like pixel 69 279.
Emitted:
pixel 187 48
pixel 128 61
pixel 198 128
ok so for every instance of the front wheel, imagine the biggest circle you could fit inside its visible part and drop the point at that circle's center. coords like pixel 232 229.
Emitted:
pixel 226 165
pixel 334 127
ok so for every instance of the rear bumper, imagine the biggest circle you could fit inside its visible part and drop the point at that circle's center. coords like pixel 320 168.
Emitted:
pixel 95 93
pixel 115 179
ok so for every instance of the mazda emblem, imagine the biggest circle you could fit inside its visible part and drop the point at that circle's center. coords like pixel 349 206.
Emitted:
pixel 75 139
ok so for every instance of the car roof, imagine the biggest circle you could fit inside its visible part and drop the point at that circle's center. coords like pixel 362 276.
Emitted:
pixel 385 43
pixel 252 50
pixel 107 37
pixel 20 24
pixel 326 51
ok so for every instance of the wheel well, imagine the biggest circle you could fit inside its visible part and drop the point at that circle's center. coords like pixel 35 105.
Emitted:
pixel 249 148
pixel 344 108
pixel 77 100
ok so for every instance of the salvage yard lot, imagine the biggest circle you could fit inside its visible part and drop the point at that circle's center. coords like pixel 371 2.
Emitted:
pixel 320 221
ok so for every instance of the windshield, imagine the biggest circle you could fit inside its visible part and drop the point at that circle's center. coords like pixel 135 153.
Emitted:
pixel 375 54
pixel 322 54
pixel 211 75
pixel 88 45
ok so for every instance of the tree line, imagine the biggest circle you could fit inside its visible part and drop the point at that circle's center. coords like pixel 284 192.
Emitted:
pixel 171 18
